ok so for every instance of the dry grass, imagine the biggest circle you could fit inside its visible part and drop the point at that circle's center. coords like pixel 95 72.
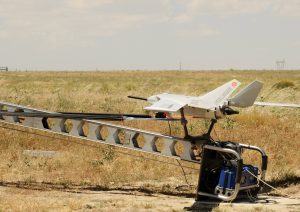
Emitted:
pixel 275 130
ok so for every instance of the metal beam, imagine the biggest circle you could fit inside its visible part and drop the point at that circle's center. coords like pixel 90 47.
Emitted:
pixel 103 132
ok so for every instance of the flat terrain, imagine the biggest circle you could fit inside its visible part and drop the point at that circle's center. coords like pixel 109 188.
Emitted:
pixel 126 200
pixel 88 176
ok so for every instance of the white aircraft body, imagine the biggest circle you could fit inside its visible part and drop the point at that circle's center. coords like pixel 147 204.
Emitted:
pixel 213 105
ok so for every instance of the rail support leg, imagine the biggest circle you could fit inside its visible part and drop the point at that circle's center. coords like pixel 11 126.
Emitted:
pixel 184 124
pixel 211 126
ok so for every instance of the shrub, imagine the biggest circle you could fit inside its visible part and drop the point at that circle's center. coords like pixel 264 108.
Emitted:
pixel 284 84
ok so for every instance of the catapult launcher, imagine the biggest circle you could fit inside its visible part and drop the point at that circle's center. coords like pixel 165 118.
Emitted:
pixel 223 174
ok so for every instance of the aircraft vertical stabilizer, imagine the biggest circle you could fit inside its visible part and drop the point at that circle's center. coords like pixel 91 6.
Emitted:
pixel 247 96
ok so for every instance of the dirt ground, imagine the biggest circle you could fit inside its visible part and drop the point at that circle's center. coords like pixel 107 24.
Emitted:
pixel 26 199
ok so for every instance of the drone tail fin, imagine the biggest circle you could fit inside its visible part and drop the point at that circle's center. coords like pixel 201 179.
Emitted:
pixel 247 96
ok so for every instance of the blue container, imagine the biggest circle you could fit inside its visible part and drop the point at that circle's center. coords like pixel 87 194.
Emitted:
pixel 227 177
pixel 226 183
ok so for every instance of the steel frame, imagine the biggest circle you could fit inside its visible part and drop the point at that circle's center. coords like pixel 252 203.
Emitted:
pixel 104 132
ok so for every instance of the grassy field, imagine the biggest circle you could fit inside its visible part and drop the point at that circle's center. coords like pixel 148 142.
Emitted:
pixel 277 130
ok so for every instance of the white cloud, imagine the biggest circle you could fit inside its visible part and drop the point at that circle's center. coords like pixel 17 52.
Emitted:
pixel 71 22
pixel 87 4
pixel 287 8
pixel 61 22
pixel 196 8
pixel 200 31
pixel 68 25
pixel 224 8
pixel 296 44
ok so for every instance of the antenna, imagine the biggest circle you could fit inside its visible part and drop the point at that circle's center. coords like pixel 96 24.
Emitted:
pixel 280 64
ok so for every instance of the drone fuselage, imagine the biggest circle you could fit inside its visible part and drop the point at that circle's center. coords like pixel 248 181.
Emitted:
pixel 172 103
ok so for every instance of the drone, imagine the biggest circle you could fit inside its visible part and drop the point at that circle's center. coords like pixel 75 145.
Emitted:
pixel 223 175
pixel 213 105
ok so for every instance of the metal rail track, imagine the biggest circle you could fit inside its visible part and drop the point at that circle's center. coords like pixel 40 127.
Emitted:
pixel 102 132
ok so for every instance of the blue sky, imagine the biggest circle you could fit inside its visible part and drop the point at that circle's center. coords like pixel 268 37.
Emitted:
pixel 149 34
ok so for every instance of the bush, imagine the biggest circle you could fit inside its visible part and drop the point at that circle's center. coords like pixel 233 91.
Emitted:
pixel 284 84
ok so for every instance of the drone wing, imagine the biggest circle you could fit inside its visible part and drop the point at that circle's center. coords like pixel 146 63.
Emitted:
pixel 216 97
pixel 165 105
pixel 276 104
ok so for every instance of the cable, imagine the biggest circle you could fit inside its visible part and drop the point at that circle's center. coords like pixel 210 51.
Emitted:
pixel 284 194
pixel 184 174
pixel 217 135
pixel 120 152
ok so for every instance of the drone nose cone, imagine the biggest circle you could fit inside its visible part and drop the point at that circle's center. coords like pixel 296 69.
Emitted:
pixel 153 99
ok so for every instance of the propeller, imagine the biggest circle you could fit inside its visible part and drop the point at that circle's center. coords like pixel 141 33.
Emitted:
pixel 230 111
